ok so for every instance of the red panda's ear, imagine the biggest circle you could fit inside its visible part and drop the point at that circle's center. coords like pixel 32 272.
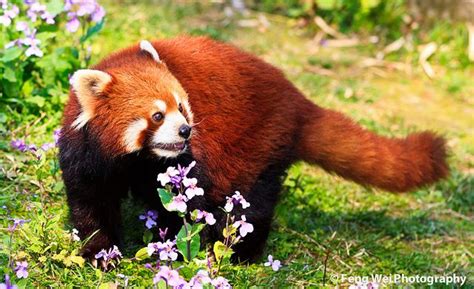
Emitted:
pixel 146 46
pixel 88 85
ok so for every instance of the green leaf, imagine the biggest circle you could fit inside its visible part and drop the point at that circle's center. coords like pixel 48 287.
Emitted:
pixel 165 196
pixel 147 236
pixel 368 4
pixel 9 74
pixel 55 7
pixel 92 31
pixel 44 36
pixel 162 284
pixel 326 4
pixel 38 100
pixel 11 54
pixel 221 251
pixel 194 241
pixel 141 254
pixel 107 285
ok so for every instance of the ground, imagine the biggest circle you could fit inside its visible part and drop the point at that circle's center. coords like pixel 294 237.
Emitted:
pixel 324 227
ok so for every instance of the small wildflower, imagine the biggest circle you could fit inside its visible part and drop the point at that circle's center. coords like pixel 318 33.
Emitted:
pixel 275 264
pixel 112 253
pixel 16 224
pixel 165 250
pixel 163 233
pixel 236 199
pixel 47 146
pixel 56 135
pixel 165 178
pixel 21 269
pixel 75 235
pixel 18 144
pixel 178 203
pixel 221 283
pixel 201 278
pixel 208 217
pixel 170 276
pixel 7 284
pixel 191 188
pixel 150 217
pixel 244 227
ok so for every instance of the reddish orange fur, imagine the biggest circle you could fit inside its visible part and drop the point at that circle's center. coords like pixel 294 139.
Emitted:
pixel 249 115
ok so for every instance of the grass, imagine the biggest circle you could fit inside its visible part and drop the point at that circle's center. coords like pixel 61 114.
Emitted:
pixel 324 226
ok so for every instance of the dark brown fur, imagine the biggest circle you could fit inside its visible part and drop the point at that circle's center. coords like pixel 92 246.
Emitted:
pixel 251 124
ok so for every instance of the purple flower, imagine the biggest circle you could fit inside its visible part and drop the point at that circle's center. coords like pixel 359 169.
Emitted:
pixel 21 269
pixel 47 146
pixel 56 135
pixel 18 144
pixel 165 178
pixel 170 276
pixel 150 217
pixel 201 278
pixel 165 250
pixel 73 24
pixel 98 13
pixel 7 284
pixel 112 253
pixel 275 264
pixel 16 224
pixel 364 285
pixel 236 199
pixel 178 203
pixel 208 217
pixel 245 227
pixel 8 14
pixel 163 233
pixel 221 283
pixel 191 188
pixel 21 26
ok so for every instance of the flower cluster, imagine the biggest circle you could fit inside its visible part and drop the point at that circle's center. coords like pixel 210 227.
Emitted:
pixel 37 14
pixel 150 218
pixel 10 11
pixel 187 187
pixel 88 9
pixel 22 146
pixel 172 278
pixel 165 250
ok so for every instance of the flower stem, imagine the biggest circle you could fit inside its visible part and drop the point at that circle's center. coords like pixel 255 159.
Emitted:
pixel 188 240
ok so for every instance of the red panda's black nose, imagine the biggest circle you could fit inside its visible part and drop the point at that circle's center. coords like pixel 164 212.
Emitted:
pixel 185 131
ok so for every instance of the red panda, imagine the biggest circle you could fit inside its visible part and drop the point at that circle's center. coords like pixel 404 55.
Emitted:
pixel 240 119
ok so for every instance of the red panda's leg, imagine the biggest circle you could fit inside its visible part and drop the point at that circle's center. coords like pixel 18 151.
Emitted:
pixel 98 217
pixel 262 198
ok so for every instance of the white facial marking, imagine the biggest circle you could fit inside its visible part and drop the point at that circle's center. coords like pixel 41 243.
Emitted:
pixel 185 104
pixel 146 46
pixel 161 105
pixel 168 133
pixel 132 133
pixel 176 97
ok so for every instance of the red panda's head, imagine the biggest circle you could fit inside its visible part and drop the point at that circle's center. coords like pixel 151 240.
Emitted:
pixel 142 106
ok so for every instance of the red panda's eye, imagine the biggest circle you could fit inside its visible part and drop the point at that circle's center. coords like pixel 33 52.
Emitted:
pixel 180 108
pixel 158 116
